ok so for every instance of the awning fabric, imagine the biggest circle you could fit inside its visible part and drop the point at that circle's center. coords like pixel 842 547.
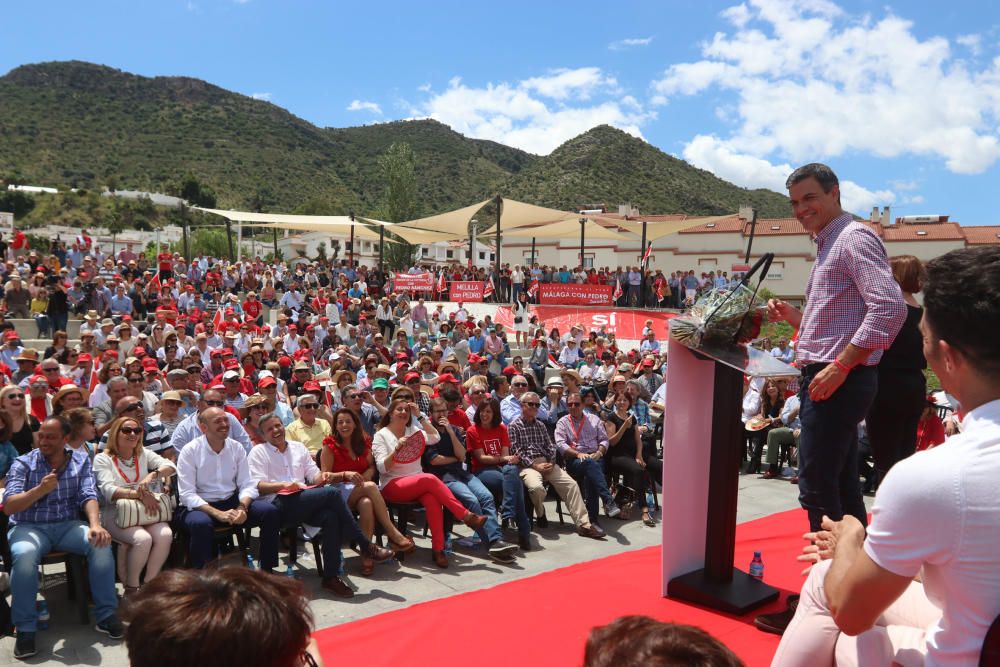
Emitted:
pixel 660 228
pixel 519 214
pixel 454 222
pixel 568 230
pixel 419 236
pixel 285 218
pixel 360 231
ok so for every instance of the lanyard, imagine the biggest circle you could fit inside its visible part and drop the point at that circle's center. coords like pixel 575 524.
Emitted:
pixel 579 429
pixel 122 472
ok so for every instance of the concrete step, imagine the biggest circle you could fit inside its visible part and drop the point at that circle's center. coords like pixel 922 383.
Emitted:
pixel 26 327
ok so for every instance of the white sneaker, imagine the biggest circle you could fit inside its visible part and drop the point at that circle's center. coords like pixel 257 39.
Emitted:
pixel 612 509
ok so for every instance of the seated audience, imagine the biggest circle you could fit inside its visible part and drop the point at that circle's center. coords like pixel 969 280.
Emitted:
pixel 125 470
pixel 582 441
pixel 405 481
pixel 45 493
pixel 626 456
pixel 283 469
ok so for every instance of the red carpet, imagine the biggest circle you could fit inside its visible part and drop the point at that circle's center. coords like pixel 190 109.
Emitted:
pixel 545 619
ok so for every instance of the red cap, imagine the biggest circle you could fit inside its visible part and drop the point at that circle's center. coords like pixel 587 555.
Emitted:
pixel 647 362
pixel 311 385
pixel 11 335
pixel 448 377
pixel 510 370
pixel 411 376
pixel 284 362
pixel 230 311
pixel 216 353
pixel 402 356
pixel 292 327
pixel 150 365
pixel 311 327
pixel 84 358
pixel 126 318
pixel 110 354
pixel 475 358
pixel 362 316
pixel 266 382
pixel 231 364
pixel 324 319
pixel 140 352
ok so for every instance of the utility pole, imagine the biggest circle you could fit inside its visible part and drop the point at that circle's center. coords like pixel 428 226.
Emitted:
pixel 499 285
pixel 350 254
pixel 184 232
pixel 229 237
pixel 582 239
pixel 748 213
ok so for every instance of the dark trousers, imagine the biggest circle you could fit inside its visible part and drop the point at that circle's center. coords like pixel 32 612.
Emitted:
pixel 323 507
pixel 893 417
pixel 200 528
pixel 828 446
pixel 634 475
pixel 594 486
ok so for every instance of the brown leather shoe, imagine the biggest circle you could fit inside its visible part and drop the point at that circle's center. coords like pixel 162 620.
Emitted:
pixel 474 521
pixel 440 559
pixel 794 480
pixel 377 553
pixel 591 531
pixel 404 547
pixel 769 474
pixel 336 586
pixel 777 622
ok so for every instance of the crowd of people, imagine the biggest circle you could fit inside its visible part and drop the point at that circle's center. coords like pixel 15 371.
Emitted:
pixel 186 407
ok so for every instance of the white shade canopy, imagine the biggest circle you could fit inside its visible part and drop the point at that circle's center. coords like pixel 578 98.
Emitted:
pixel 568 230
pixel 251 217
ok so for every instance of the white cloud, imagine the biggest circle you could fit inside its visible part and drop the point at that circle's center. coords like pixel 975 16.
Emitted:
pixel 905 185
pixel 561 84
pixel 915 199
pixel 808 82
pixel 424 88
pixel 359 105
pixel 714 155
pixel 974 43
pixel 261 96
pixel 629 43
pixel 539 113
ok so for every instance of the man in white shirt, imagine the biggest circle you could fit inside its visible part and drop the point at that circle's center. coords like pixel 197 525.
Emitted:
pixel 923 585
pixel 282 470
pixel 216 490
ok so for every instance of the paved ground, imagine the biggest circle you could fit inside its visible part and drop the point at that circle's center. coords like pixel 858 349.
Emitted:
pixel 399 585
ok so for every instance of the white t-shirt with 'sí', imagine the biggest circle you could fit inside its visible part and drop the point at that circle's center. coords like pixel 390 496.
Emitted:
pixel 939 511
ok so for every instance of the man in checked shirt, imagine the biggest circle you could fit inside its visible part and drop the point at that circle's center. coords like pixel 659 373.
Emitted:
pixel 531 444
pixel 46 491
pixel 854 309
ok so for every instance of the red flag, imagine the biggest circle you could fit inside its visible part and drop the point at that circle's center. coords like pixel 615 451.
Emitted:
pixel 488 288
pixel 94 381
pixel 618 290
pixel 645 256
pixel 218 319
pixel 442 283
pixel 533 288
pixel 154 284
pixel 552 361
pixel 659 291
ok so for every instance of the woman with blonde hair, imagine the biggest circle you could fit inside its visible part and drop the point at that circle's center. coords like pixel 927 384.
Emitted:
pixel 13 403
pixel 126 470
pixel 109 369
pixel 82 430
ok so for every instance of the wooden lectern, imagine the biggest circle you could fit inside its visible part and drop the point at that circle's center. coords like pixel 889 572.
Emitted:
pixel 702 453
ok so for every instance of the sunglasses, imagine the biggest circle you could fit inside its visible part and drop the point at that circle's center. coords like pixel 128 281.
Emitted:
pixel 309 406
pixel 16 397
pixel 50 370
pixel 352 397
pixel 214 404
pixel 133 406
pixel 574 404
pixel 530 405
pixel 520 384
pixel 135 381
pixel 479 391
pixel 129 430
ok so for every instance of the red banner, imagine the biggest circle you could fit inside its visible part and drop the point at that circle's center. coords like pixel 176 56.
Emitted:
pixel 466 290
pixel 625 323
pixel 417 282
pixel 573 294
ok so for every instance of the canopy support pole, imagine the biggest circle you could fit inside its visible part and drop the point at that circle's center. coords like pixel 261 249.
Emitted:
pixel 582 241
pixel 499 264
pixel 350 253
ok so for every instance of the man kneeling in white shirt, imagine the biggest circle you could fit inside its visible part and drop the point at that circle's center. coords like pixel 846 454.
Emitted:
pixel 282 469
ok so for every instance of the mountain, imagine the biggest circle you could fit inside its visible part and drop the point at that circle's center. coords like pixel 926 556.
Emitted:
pixel 77 124
pixel 609 166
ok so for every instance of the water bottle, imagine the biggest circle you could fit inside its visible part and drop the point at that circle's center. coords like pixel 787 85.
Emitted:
pixel 650 501
pixel 250 561
pixel 757 566
pixel 290 571
pixel 447 545
pixel 43 614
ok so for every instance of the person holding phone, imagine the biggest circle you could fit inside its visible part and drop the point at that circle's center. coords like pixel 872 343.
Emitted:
pixel 397 449
pixel 46 490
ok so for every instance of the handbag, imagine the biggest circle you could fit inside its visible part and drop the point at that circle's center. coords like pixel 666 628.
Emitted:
pixel 131 512
pixel 625 498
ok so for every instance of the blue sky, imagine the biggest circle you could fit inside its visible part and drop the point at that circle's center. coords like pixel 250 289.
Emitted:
pixel 902 100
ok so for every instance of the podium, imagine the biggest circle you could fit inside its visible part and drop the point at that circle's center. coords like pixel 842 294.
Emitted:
pixel 702 452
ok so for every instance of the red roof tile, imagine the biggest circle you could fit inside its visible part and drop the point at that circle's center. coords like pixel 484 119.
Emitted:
pixel 941 231
pixel 982 235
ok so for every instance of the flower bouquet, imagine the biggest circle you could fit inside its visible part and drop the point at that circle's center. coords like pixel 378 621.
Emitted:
pixel 722 315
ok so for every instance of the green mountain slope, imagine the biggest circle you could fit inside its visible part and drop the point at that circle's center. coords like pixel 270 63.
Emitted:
pixel 609 166
pixel 76 124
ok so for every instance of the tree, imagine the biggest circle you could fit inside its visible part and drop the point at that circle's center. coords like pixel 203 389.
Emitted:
pixel 196 193
pixel 399 202
pixel 17 202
